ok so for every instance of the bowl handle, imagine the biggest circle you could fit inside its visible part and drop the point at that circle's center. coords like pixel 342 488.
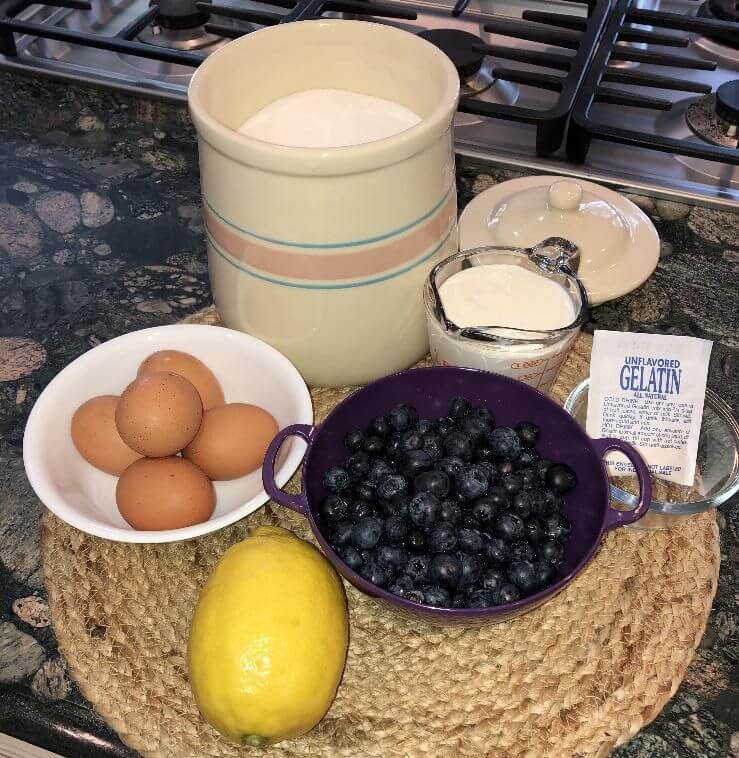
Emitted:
pixel 297 502
pixel 615 518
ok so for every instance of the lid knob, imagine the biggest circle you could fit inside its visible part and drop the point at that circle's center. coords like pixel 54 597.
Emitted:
pixel 565 196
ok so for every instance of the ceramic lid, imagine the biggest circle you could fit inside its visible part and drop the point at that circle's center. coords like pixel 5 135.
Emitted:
pixel 619 245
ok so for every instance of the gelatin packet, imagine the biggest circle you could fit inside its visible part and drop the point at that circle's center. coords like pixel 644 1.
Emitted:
pixel 648 389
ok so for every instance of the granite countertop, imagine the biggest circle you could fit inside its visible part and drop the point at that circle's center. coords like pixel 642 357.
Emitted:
pixel 101 233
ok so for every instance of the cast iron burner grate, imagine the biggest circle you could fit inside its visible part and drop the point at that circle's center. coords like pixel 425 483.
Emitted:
pixel 586 126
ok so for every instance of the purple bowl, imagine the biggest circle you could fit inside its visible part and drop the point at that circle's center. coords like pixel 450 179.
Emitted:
pixel 429 389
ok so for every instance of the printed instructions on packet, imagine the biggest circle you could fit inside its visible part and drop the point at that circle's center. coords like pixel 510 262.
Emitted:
pixel 648 389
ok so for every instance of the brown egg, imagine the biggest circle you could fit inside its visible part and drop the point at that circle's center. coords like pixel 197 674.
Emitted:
pixel 232 440
pixel 164 493
pixel 194 370
pixel 158 414
pixel 96 438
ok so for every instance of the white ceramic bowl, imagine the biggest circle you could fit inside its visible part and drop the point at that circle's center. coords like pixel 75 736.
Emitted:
pixel 249 372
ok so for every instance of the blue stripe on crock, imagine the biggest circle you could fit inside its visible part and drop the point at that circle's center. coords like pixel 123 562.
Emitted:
pixel 332 245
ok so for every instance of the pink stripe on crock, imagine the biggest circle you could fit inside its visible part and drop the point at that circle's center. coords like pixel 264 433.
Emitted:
pixel 323 265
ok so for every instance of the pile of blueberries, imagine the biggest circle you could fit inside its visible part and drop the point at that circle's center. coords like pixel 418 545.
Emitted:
pixel 452 513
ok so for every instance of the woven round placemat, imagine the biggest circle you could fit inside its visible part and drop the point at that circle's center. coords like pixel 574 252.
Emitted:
pixel 575 677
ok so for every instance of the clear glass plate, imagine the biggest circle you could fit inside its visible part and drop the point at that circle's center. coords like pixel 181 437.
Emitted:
pixel 717 463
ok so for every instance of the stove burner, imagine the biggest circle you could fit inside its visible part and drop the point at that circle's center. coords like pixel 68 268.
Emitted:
pixel 458 45
pixel 721 10
pixel 727 104
pixel 179 14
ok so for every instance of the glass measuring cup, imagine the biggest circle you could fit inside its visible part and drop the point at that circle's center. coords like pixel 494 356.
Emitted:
pixel 532 357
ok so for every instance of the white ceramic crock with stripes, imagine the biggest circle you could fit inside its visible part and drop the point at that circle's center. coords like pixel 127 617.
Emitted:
pixel 323 252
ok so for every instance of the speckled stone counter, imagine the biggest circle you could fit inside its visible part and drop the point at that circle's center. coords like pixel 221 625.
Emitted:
pixel 101 233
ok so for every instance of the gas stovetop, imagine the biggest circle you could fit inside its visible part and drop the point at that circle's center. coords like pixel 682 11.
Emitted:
pixel 639 93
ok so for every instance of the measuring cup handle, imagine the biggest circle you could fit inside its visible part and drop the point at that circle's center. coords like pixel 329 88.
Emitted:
pixel 297 502
pixel 615 518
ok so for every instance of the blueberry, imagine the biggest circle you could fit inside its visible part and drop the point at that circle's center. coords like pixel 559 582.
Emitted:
pixel 528 433
pixel 552 503
pixel 534 531
pixel 472 482
pixel 395 529
pixel 367 532
pixel 446 570
pixel 336 480
pixel 442 538
pixel 435 482
pixel 504 467
pixel 449 465
pixel 426 426
pixel 437 596
pixel 402 586
pixel 483 598
pixel 379 426
pixel 365 491
pixel 391 557
pixel 523 551
pixel 523 575
pixel 489 468
pixel 450 511
pixel 392 447
pixel 496 552
pixel 475 428
pixel 469 540
pixel 504 442
pixel 342 533
pixel 552 551
pixel 357 464
pixel 374 573
pixel 415 595
pixel 378 470
pixel 497 496
pixel 483 452
pixel 418 568
pixel 529 476
pixel 511 483
pixel 542 466
pixel 557 525
pixel 561 478
pixel 334 508
pixel 538 502
pixel 508 593
pixel 521 505
pixel 359 509
pixel 414 462
pixel 351 556
pixel 510 527
pixel 545 573
pixel 353 439
pixel 433 445
pixel 398 505
pixel 492 579
pixel 391 485
pixel 459 445
pixel 528 458
pixel 470 569
pixel 415 540
pixel 373 445
pixel 424 509
pixel 445 425
pixel 468 521
pixel 459 406
pixel 402 416
pixel 484 511
pixel 411 440
pixel 461 600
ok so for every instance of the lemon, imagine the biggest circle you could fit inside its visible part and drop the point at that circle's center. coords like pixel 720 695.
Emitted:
pixel 268 639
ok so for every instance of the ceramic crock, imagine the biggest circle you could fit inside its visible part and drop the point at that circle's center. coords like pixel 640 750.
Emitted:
pixel 322 253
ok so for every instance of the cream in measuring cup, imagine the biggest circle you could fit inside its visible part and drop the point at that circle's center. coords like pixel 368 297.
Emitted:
pixel 513 311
